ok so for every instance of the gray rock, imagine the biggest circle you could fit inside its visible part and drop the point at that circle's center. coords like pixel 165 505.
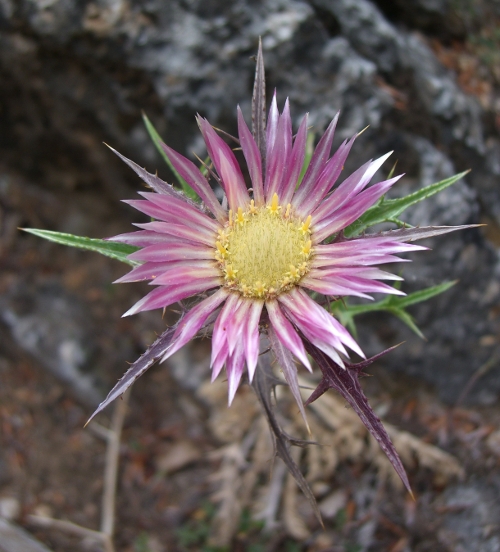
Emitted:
pixel 52 325
pixel 395 51
pixel 472 519
pixel 455 205
pixel 15 539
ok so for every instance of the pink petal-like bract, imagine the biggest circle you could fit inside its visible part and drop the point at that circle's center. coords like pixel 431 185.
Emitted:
pixel 257 264
pixel 249 264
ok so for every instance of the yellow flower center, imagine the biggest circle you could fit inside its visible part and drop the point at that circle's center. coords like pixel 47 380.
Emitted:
pixel 264 251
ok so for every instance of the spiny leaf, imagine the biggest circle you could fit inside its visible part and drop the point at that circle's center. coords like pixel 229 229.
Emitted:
pixel 408 320
pixel 395 301
pixel 392 171
pixel 287 365
pixel 259 107
pixel 420 295
pixel 151 180
pixel 143 363
pixel 308 156
pixel 118 251
pixel 263 384
pixel 395 304
pixel 186 188
pixel 415 234
pixel 153 354
pixel 346 382
pixel 388 209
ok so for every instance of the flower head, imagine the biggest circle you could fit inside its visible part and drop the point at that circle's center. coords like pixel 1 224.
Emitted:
pixel 256 258
pixel 267 259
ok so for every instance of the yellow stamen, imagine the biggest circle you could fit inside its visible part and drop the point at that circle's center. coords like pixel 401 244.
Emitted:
pixel 260 289
pixel 222 237
pixel 293 272
pixel 230 272
pixel 306 250
pixel 306 225
pixel 246 290
pixel 230 218
pixel 253 209
pixel 288 208
pixel 240 217
pixel 221 250
pixel 275 207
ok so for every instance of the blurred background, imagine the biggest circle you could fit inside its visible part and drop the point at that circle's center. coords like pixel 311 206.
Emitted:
pixel 425 76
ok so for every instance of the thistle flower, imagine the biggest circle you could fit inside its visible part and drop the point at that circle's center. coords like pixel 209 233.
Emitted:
pixel 259 255
pixel 266 259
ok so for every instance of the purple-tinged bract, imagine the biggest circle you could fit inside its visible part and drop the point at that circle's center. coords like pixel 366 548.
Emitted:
pixel 255 264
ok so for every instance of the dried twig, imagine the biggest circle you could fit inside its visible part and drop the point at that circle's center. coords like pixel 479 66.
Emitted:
pixel 73 529
pixel 111 469
pixel 113 438
pixel 273 498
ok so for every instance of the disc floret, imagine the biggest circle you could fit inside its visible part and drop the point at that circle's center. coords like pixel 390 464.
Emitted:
pixel 264 251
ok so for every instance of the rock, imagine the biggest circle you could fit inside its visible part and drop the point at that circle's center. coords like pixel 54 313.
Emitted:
pixel 15 539
pixel 471 518
pixel 52 325
pixel 434 17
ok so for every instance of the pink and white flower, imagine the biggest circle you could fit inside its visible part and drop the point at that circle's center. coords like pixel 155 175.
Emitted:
pixel 256 258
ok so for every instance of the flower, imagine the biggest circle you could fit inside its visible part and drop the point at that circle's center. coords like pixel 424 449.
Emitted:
pixel 256 258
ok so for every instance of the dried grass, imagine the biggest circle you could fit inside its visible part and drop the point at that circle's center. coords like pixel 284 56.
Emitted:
pixel 249 478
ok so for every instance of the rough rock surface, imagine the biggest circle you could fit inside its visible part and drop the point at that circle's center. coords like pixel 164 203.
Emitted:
pixel 51 325
pixel 471 523
pixel 74 74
